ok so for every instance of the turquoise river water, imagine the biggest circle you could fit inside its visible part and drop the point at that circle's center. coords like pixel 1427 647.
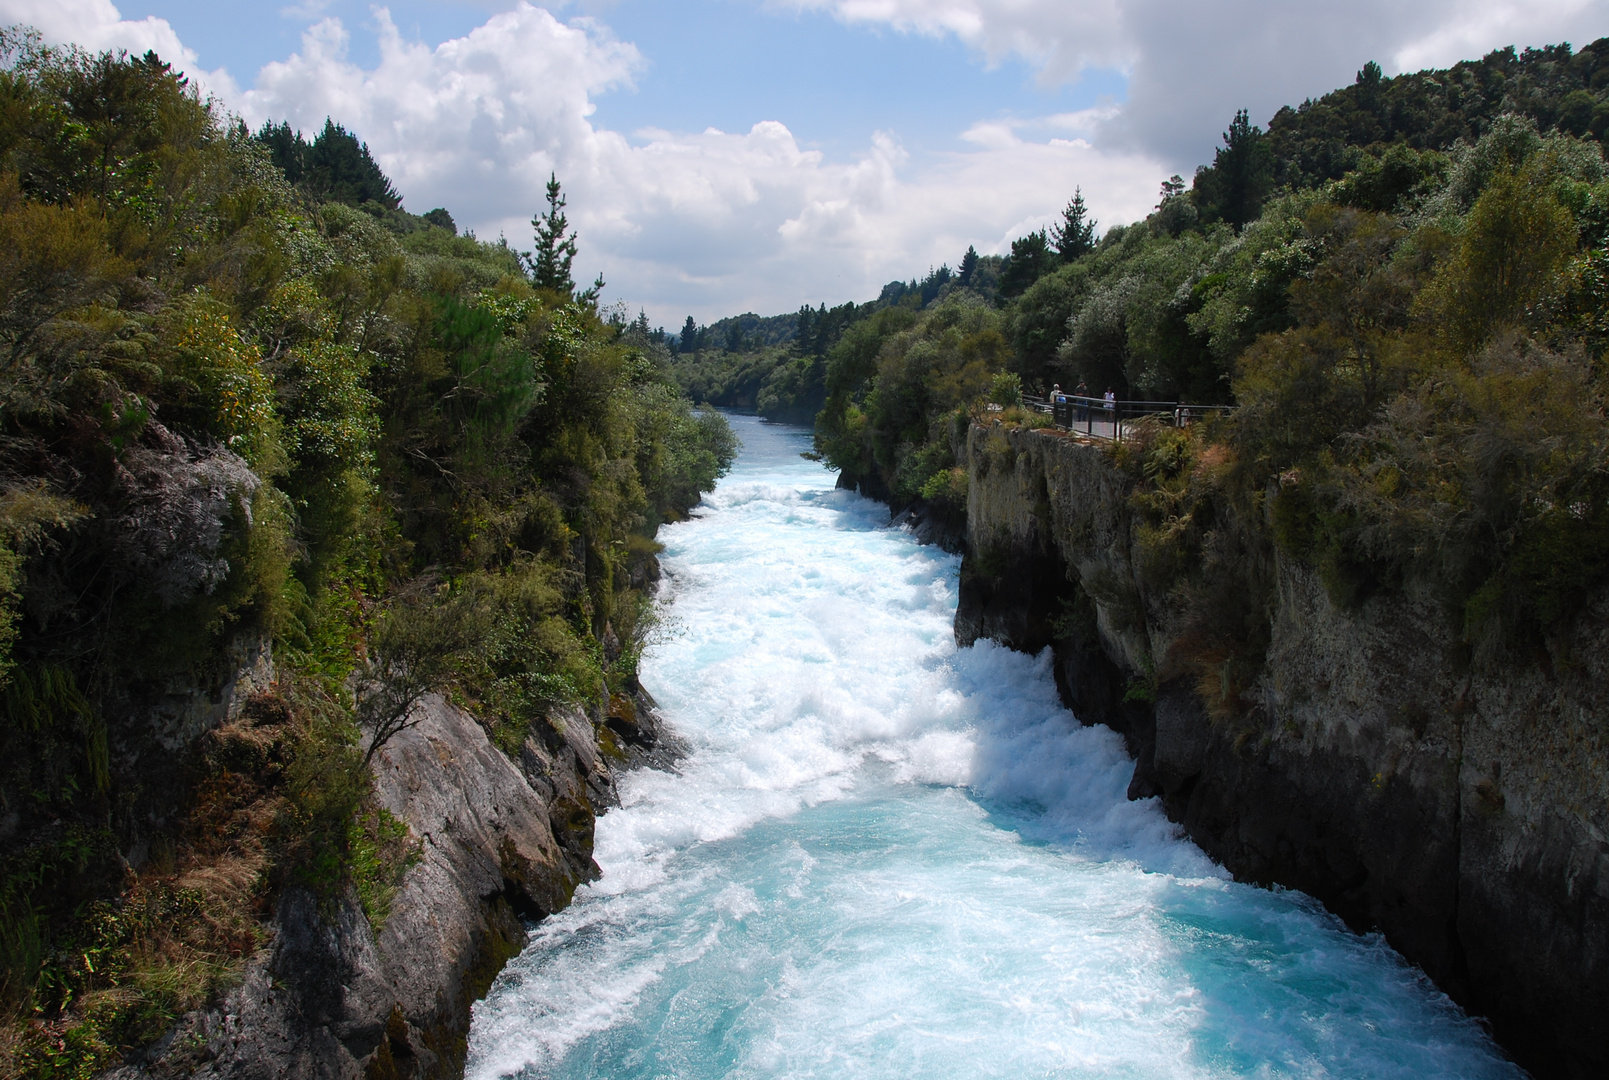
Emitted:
pixel 888 857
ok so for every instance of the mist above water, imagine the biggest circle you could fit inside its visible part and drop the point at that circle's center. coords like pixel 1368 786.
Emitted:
pixel 887 857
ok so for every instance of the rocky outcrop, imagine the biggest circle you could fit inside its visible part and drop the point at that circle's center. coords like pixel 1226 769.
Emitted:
pixel 933 523
pixel 930 522
pixel 1461 810
pixel 498 844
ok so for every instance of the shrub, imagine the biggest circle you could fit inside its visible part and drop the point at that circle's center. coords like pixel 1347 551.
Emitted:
pixel 1005 390
pixel 947 487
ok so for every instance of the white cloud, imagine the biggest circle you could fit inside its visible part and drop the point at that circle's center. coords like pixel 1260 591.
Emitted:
pixel 97 25
pixel 708 223
pixel 476 123
pixel 715 222
pixel 1503 22
pixel 1061 37
pixel 1190 65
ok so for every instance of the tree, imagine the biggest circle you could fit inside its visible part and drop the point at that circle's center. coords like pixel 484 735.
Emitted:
pixel 804 329
pixel 1074 235
pixel 1240 178
pixel 1174 211
pixel 969 263
pixel 555 248
pixel 690 336
pixel 1030 260
pixel 1516 242
pixel 334 166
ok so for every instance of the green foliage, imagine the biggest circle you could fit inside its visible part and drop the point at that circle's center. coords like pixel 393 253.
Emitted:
pixel 894 381
pixel 380 852
pixel 924 468
pixel 1392 180
pixel 774 381
pixel 105 970
pixel 1131 321
pixel 334 167
pixel 1005 390
pixel 556 250
pixel 1031 258
pixel 1234 187
pixel 216 379
pixel 1038 322
pixel 247 400
pixel 1074 236
pixel 1324 139
pixel 947 486
pixel 1515 243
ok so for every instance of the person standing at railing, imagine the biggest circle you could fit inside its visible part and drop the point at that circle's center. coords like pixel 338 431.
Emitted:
pixel 1081 393
pixel 1058 404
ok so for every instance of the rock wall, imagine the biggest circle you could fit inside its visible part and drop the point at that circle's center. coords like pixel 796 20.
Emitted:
pixel 1463 812
pixel 498 843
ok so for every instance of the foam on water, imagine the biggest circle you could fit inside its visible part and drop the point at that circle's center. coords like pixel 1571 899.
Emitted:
pixel 886 857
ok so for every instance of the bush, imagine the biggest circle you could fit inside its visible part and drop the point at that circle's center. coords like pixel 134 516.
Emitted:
pixel 1005 390
pixel 947 487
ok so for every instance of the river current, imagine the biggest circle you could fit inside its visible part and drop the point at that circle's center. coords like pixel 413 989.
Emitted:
pixel 888 857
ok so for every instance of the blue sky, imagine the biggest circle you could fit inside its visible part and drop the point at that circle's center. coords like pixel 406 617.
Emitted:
pixel 731 155
pixel 709 63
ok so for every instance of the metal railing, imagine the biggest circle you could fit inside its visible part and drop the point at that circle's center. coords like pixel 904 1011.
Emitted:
pixel 1101 418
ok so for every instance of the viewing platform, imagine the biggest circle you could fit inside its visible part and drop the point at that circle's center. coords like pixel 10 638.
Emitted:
pixel 1109 418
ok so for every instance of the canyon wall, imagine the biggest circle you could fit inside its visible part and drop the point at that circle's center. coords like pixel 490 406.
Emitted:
pixel 496 842
pixel 1460 809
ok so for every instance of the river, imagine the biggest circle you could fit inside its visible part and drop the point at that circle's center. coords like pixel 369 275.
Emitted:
pixel 888 857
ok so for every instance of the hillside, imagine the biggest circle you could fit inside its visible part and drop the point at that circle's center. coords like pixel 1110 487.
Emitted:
pixel 280 465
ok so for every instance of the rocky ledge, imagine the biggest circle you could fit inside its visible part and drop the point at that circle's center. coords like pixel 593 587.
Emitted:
pixel 499 843
pixel 1461 810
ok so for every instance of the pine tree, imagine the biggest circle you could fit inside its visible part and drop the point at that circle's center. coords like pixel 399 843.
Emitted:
pixel 1030 259
pixel 555 251
pixel 335 166
pixel 1074 235
pixel 1241 176
pixel 969 263
pixel 689 341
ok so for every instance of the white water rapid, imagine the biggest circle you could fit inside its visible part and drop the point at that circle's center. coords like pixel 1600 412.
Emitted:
pixel 887 857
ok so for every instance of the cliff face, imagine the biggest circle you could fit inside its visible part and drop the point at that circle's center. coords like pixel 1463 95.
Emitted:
pixel 497 843
pixel 1463 811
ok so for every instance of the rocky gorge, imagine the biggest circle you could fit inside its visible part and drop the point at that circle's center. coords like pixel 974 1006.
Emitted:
pixel 1460 809
pixel 494 842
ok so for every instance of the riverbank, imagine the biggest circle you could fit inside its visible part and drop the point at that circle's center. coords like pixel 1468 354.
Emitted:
pixel 885 856
pixel 1459 809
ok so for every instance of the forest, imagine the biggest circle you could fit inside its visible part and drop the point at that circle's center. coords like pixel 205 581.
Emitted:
pixel 251 405
pixel 1402 288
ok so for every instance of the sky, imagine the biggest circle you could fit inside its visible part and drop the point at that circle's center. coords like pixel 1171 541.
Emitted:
pixel 722 156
